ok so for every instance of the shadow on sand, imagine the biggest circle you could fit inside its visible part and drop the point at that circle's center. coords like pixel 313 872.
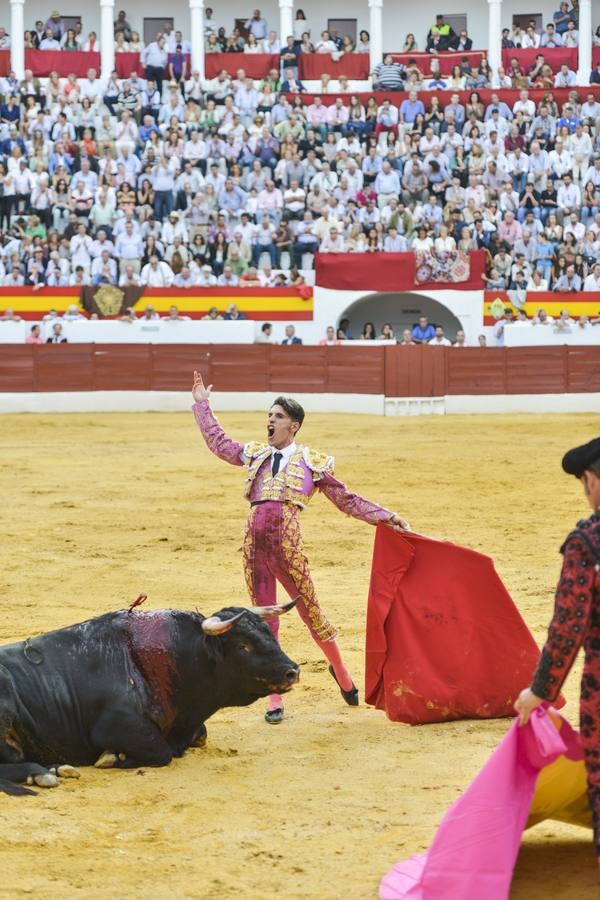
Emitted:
pixel 561 869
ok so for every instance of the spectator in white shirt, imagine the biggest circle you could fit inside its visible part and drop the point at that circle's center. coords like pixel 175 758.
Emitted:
pixel 333 242
pixel 579 145
pixel 560 159
pixel 228 278
pixel 129 249
pixel 325 44
pixel 49 42
pixel 129 277
pixel 524 105
pixel 565 78
pixel 156 273
pixel 73 314
pixel 185 279
pixel 531 39
pixel 386 184
pixel 394 242
pixel 103 262
pixel 574 226
pixel 91 87
pixel 592 281
pixel 206 278
pixel 81 248
pixel 439 340
pixel 568 195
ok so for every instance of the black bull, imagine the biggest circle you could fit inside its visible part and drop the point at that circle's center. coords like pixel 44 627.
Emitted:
pixel 134 686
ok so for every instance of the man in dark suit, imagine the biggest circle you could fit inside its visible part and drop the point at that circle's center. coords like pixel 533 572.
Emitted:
pixel 57 336
pixel 462 43
pixel 290 336
pixel 291 85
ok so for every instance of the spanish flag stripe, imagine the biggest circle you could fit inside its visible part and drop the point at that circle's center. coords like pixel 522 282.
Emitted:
pixel 261 315
pixel 270 303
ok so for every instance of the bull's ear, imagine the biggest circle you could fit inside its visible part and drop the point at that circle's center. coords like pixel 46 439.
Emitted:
pixel 213 625
pixel 269 612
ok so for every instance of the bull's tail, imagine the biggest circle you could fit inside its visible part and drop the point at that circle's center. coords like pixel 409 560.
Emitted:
pixel 14 790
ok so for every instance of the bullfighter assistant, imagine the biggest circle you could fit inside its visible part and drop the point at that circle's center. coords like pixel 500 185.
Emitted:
pixel 281 478
pixel 576 623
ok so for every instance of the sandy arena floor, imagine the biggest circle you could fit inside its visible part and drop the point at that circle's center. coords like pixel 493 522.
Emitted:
pixel 100 508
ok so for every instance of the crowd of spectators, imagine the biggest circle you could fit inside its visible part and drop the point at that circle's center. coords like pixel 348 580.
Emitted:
pixel 165 179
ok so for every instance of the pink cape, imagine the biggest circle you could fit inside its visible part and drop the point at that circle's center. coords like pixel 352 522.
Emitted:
pixel 474 851
pixel 441 627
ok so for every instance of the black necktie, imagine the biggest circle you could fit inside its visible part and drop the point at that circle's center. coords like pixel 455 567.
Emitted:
pixel 277 457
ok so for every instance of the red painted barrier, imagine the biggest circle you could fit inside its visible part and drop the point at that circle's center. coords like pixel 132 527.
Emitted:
pixel 393 371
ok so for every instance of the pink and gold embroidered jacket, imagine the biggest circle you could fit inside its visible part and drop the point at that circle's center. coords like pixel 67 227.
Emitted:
pixel 306 471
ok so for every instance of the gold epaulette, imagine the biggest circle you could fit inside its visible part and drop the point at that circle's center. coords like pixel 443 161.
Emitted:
pixel 318 462
pixel 254 448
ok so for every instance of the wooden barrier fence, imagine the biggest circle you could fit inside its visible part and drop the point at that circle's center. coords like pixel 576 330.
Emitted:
pixel 392 371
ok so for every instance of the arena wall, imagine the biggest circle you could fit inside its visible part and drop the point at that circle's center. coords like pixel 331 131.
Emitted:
pixel 392 380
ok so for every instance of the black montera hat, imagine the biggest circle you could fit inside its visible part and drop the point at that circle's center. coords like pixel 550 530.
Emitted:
pixel 577 460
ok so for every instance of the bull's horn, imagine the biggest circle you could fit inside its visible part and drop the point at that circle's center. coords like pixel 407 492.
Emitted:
pixel 268 612
pixel 213 625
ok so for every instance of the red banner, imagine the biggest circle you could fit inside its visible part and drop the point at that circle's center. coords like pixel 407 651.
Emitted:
pixel 65 62
pixel 553 56
pixel 386 272
pixel 354 65
pixel 255 65
pixel 127 63
pixel 446 59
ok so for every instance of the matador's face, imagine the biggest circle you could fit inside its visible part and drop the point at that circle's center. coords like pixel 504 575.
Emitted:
pixel 281 429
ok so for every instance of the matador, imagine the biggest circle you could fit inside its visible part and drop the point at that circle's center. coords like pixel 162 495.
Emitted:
pixel 576 623
pixel 281 477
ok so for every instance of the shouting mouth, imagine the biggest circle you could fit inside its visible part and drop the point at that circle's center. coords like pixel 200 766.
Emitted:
pixel 270 431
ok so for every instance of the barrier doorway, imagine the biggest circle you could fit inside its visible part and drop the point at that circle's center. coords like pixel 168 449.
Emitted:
pixel 402 310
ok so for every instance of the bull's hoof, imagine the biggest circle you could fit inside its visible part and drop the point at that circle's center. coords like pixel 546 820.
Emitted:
pixel 107 760
pixel 46 780
pixel 66 771
pixel 274 716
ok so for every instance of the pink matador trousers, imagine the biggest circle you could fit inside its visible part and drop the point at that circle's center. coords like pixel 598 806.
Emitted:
pixel 273 552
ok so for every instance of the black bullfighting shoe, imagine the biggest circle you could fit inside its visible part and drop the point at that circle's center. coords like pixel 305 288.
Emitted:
pixel 274 716
pixel 351 696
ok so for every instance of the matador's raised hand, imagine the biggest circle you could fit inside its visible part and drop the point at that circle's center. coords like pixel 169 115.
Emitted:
pixel 199 392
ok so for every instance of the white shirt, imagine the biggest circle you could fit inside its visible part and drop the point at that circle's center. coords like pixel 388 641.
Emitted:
pixel 162 276
pixel 286 453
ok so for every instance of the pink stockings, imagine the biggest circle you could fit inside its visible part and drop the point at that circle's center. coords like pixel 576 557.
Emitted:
pixel 330 650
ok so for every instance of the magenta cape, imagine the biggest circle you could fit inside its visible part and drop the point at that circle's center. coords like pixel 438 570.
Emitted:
pixel 444 638
pixel 474 851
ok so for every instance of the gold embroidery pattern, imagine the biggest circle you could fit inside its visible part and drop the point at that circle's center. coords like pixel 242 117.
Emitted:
pixel 298 570
pixel 285 487
pixel 257 458
pixel 248 556
pixel 317 462
pixel 254 448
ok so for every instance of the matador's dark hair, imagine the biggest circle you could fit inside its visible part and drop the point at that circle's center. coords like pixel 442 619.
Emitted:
pixel 292 408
